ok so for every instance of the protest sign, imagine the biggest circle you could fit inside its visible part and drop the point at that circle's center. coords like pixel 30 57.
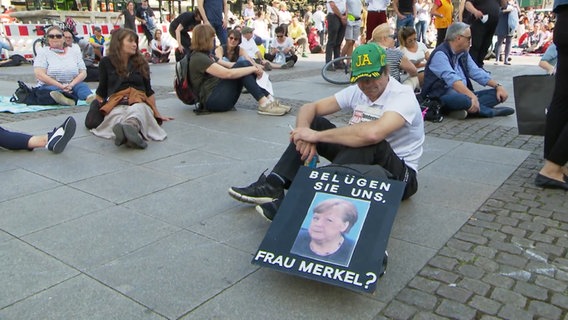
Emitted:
pixel 333 228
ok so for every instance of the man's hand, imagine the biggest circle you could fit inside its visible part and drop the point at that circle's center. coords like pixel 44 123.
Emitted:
pixel 474 105
pixel 305 140
pixel 501 94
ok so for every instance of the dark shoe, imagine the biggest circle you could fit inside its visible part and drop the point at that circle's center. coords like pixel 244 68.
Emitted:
pixel 503 111
pixel 58 138
pixel 268 210
pixel 267 66
pixel 289 64
pixel 133 137
pixel 119 138
pixel 546 182
pixel 258 192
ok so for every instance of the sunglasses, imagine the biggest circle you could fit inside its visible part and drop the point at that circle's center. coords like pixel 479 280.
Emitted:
pixel 233 38
pixel 55 36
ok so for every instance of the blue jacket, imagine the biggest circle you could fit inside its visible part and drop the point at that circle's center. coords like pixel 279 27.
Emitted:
pixel 435 87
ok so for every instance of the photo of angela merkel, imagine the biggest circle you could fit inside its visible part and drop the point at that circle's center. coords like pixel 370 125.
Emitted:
pixel 325 239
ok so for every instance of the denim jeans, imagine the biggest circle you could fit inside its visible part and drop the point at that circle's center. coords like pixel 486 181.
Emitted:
pixel 457 101
pixel 408 21
pixel 421 27
pixel 80 91
pixel 227 91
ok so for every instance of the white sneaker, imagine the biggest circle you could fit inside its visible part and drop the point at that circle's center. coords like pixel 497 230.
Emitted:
pixel 62 99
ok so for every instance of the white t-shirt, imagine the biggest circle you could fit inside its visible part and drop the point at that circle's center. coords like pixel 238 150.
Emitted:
pixel 407 141
pixel 63 68
pixel 249 46
pixel 417 56
pixel 287 43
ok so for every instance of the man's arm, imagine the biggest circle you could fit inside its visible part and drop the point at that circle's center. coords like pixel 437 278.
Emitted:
pixel 225 14
pixel 471 8
pixel 337 12
pixel 201 8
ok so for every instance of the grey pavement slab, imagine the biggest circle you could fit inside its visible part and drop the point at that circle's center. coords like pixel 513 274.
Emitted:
pixel 19 182
pixel 25 271
pixel 78 298
pixel 100 237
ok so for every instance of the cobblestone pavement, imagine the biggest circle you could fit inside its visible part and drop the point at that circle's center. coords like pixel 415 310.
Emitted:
pixel 509 261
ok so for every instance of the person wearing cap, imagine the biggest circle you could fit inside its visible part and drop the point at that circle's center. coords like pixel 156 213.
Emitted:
pixel 386 129
pixel 448 76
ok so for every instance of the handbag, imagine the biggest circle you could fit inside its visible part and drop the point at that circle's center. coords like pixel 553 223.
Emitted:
pixel 21 93
pixel 533 94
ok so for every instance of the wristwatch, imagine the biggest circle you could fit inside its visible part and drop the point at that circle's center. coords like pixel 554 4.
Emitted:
pixel 497 85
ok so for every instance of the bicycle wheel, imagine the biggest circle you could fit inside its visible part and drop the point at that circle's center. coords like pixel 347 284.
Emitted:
pixel 337 71
pixel 37 45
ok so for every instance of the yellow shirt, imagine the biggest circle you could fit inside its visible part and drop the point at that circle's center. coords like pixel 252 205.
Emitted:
pixel 296 32
pixel 446 9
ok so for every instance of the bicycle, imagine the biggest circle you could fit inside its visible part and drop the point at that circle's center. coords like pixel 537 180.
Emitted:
pixel 337 71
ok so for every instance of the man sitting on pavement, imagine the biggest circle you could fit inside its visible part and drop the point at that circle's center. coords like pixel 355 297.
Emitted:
pixel 386 129
pixel 448 76
pixel 248 44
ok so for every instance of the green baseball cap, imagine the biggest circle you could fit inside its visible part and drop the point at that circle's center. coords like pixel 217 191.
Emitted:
pixel 367 61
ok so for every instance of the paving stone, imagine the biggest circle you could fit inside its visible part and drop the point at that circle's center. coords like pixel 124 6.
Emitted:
pixel 459 245
pixel 531 226
pixel 485 251
pixel 473 238
pixel 509 297
pixel 531 291
pixel 438 274
pixel 484 305
pixel 399 310
pixel 455 310
pixel 514 231
pixel 476 286
pixel 494 235
pixel 443 262
pixel 424 284
pixel 547 222
pixel 542 268
pixel 471 271
pixel 541 237
pixel 507 221
pixel 522 242
pixel 522 216
pixel 423 315
pixel 458 254
pixel 487 264
pixel 417 298
pixel 557 232
pixel 539 212
pixel 453 292
pixel 559 299
pixel 551 284
pixel 550 248
pixel 512 260
pixel 506 246
pixel 472 228
pixel 481 214
pixel 545 309
pixel 513 312
pixel 484 224
pixel 486 317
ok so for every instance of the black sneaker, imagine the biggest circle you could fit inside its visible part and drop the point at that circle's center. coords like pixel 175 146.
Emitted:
pixel 268 210
pixel 258 192
pixel 58 138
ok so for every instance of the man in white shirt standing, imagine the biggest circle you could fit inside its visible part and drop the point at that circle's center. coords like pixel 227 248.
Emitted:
pixel 336 23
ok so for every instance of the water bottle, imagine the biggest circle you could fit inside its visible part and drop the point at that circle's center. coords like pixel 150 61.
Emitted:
pixel 313 163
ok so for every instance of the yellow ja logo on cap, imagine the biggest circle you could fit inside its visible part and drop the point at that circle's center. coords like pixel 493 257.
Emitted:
pixel 363 60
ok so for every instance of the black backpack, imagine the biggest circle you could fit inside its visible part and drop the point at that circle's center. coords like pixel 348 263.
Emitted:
pixel 14 60
pixel 183 87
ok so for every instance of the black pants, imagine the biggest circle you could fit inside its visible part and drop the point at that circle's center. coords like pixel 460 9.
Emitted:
pixel 481 38
pixel 556 134
pixel 440 36
pixel 380 153
pixel 335 35
pixel 185 43
pixel 14 140
pixel 271 57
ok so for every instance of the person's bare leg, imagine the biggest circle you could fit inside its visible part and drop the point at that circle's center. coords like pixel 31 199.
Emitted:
pixel 37 141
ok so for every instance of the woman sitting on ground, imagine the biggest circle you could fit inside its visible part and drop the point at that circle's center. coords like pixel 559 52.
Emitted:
pixel 130 112
pixel 219 83
pixel 415 51
pixel 61 70
pixel 398 63
pixel 282 46
pixel 160 49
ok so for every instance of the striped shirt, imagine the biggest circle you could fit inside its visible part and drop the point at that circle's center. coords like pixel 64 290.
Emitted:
pixel 393 60
pixel 63 68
